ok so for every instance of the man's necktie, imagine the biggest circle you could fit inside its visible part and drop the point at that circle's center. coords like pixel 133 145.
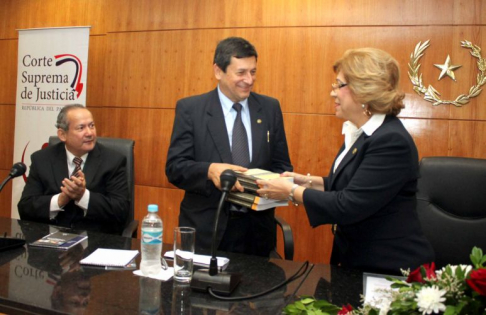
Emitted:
pixel 77 162
pixel 239 150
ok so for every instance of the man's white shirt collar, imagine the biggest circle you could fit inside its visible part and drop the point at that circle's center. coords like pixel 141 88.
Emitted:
pixel 70 158
pixel 227 104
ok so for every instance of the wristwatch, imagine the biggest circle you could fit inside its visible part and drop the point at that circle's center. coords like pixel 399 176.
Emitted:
pixel 291 195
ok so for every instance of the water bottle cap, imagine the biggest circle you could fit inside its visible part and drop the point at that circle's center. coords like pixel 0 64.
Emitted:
pixel 153 208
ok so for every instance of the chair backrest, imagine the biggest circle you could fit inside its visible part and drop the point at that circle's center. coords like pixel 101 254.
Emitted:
pixel 125 147
pixel 451 204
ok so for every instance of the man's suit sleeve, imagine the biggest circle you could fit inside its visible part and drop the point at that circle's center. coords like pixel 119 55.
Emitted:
pixel 110 204
pixel 182 169
pixel 34 203
pixel 280 151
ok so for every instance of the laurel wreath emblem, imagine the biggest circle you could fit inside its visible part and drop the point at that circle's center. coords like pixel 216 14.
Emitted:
pixel 430 93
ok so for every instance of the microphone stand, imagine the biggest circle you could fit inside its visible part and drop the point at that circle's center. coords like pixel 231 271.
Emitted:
pixel 204 279
pixel 4 182
pixel 18 169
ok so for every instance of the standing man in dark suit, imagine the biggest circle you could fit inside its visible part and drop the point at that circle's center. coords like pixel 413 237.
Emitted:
pixel 227 128
pixel 94 196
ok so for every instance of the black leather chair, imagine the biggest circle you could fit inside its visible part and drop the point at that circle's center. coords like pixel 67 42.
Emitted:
pixel 288 239
pixel 125 147
pixel 451 204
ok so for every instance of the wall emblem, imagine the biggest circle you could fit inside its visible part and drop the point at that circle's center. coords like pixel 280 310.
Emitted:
pixel 447 69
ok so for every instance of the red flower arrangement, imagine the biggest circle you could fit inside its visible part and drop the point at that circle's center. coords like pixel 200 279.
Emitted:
pixel 453 290
pixel 477 281
pixel 347 309
pixel 416 275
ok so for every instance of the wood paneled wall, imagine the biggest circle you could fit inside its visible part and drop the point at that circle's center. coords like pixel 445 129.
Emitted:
pixel 146 54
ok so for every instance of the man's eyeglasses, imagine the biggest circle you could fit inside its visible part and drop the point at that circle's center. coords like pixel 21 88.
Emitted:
pixel 338 85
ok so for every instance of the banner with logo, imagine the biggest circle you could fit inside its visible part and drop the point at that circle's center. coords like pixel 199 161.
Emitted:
pixel 52 72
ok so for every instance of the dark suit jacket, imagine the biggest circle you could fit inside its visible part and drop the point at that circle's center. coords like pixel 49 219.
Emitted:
pixel 200 138
pixel 105 172
pixel 372 199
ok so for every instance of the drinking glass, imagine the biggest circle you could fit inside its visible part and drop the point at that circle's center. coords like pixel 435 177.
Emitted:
pixel 184 239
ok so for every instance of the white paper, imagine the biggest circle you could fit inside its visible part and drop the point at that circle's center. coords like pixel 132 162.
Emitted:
pixel 163 275
pixel 372 296
pixel 110 257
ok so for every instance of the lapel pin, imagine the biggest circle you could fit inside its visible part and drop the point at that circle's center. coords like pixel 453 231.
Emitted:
pixel 259 121
pixel 355 150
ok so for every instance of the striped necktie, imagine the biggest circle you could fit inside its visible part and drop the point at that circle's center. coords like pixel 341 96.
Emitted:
pixel 77 162
pixel 239 150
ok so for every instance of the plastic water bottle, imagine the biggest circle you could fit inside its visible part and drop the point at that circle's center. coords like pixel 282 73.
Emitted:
pixel 152 229
pixel 149 300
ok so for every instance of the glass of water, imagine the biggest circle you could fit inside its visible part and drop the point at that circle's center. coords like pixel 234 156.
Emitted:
pixel 184 240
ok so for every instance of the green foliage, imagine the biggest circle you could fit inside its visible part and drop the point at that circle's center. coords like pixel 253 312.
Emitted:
pixel 451 285
pixel 310 306
pixel 477 258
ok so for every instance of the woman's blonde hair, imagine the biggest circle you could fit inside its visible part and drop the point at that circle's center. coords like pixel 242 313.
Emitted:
pixel 373 76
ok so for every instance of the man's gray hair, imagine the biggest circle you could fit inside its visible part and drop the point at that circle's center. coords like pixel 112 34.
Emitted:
pixel 62 121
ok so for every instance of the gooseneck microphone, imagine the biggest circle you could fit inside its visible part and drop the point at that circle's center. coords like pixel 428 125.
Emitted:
pixel 204 279
pixel 18 169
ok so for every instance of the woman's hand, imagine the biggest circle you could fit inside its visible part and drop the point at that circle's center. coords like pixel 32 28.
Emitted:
pixel 278 188
pixel 307 181
pixel 299 179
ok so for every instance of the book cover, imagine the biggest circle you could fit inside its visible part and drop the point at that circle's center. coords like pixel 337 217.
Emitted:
pixel 257 207
pixel 59 240
pixel 254 199
pixel 248 179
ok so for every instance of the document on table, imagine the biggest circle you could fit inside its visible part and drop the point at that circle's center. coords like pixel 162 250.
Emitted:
pixel 110 257
pixel 373 285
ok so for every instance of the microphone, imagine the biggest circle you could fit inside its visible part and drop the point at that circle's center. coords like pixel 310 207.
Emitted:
pixel 227 179
pixel 203 279
pixel 18 169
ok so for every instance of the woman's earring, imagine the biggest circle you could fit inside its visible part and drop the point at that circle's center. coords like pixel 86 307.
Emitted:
pixel 365 110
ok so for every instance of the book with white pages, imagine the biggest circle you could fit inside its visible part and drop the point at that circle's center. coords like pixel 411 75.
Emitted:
pixel 268 204
pixel 107 257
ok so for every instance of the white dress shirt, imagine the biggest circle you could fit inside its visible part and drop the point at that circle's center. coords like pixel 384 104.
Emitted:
pixel 83 202
pixel 352 133
pixel 230 113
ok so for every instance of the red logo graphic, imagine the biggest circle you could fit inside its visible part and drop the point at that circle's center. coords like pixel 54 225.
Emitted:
pixel 76 84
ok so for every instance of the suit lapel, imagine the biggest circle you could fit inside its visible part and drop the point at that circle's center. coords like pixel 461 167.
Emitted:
pixel 59 165
pixel 217 128
pixel 350 155
pixel 258 130
pixel 93 162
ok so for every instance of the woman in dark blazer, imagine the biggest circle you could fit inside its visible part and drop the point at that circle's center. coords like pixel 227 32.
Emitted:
pixel 369 195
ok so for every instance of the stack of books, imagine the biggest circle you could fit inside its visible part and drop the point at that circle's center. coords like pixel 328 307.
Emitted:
pixel 249 198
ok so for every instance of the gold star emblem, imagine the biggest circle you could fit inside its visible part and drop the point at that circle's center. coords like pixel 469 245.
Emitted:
pixel 447 69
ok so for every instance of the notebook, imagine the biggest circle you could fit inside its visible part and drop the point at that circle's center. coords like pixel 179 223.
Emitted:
pixel 107 257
